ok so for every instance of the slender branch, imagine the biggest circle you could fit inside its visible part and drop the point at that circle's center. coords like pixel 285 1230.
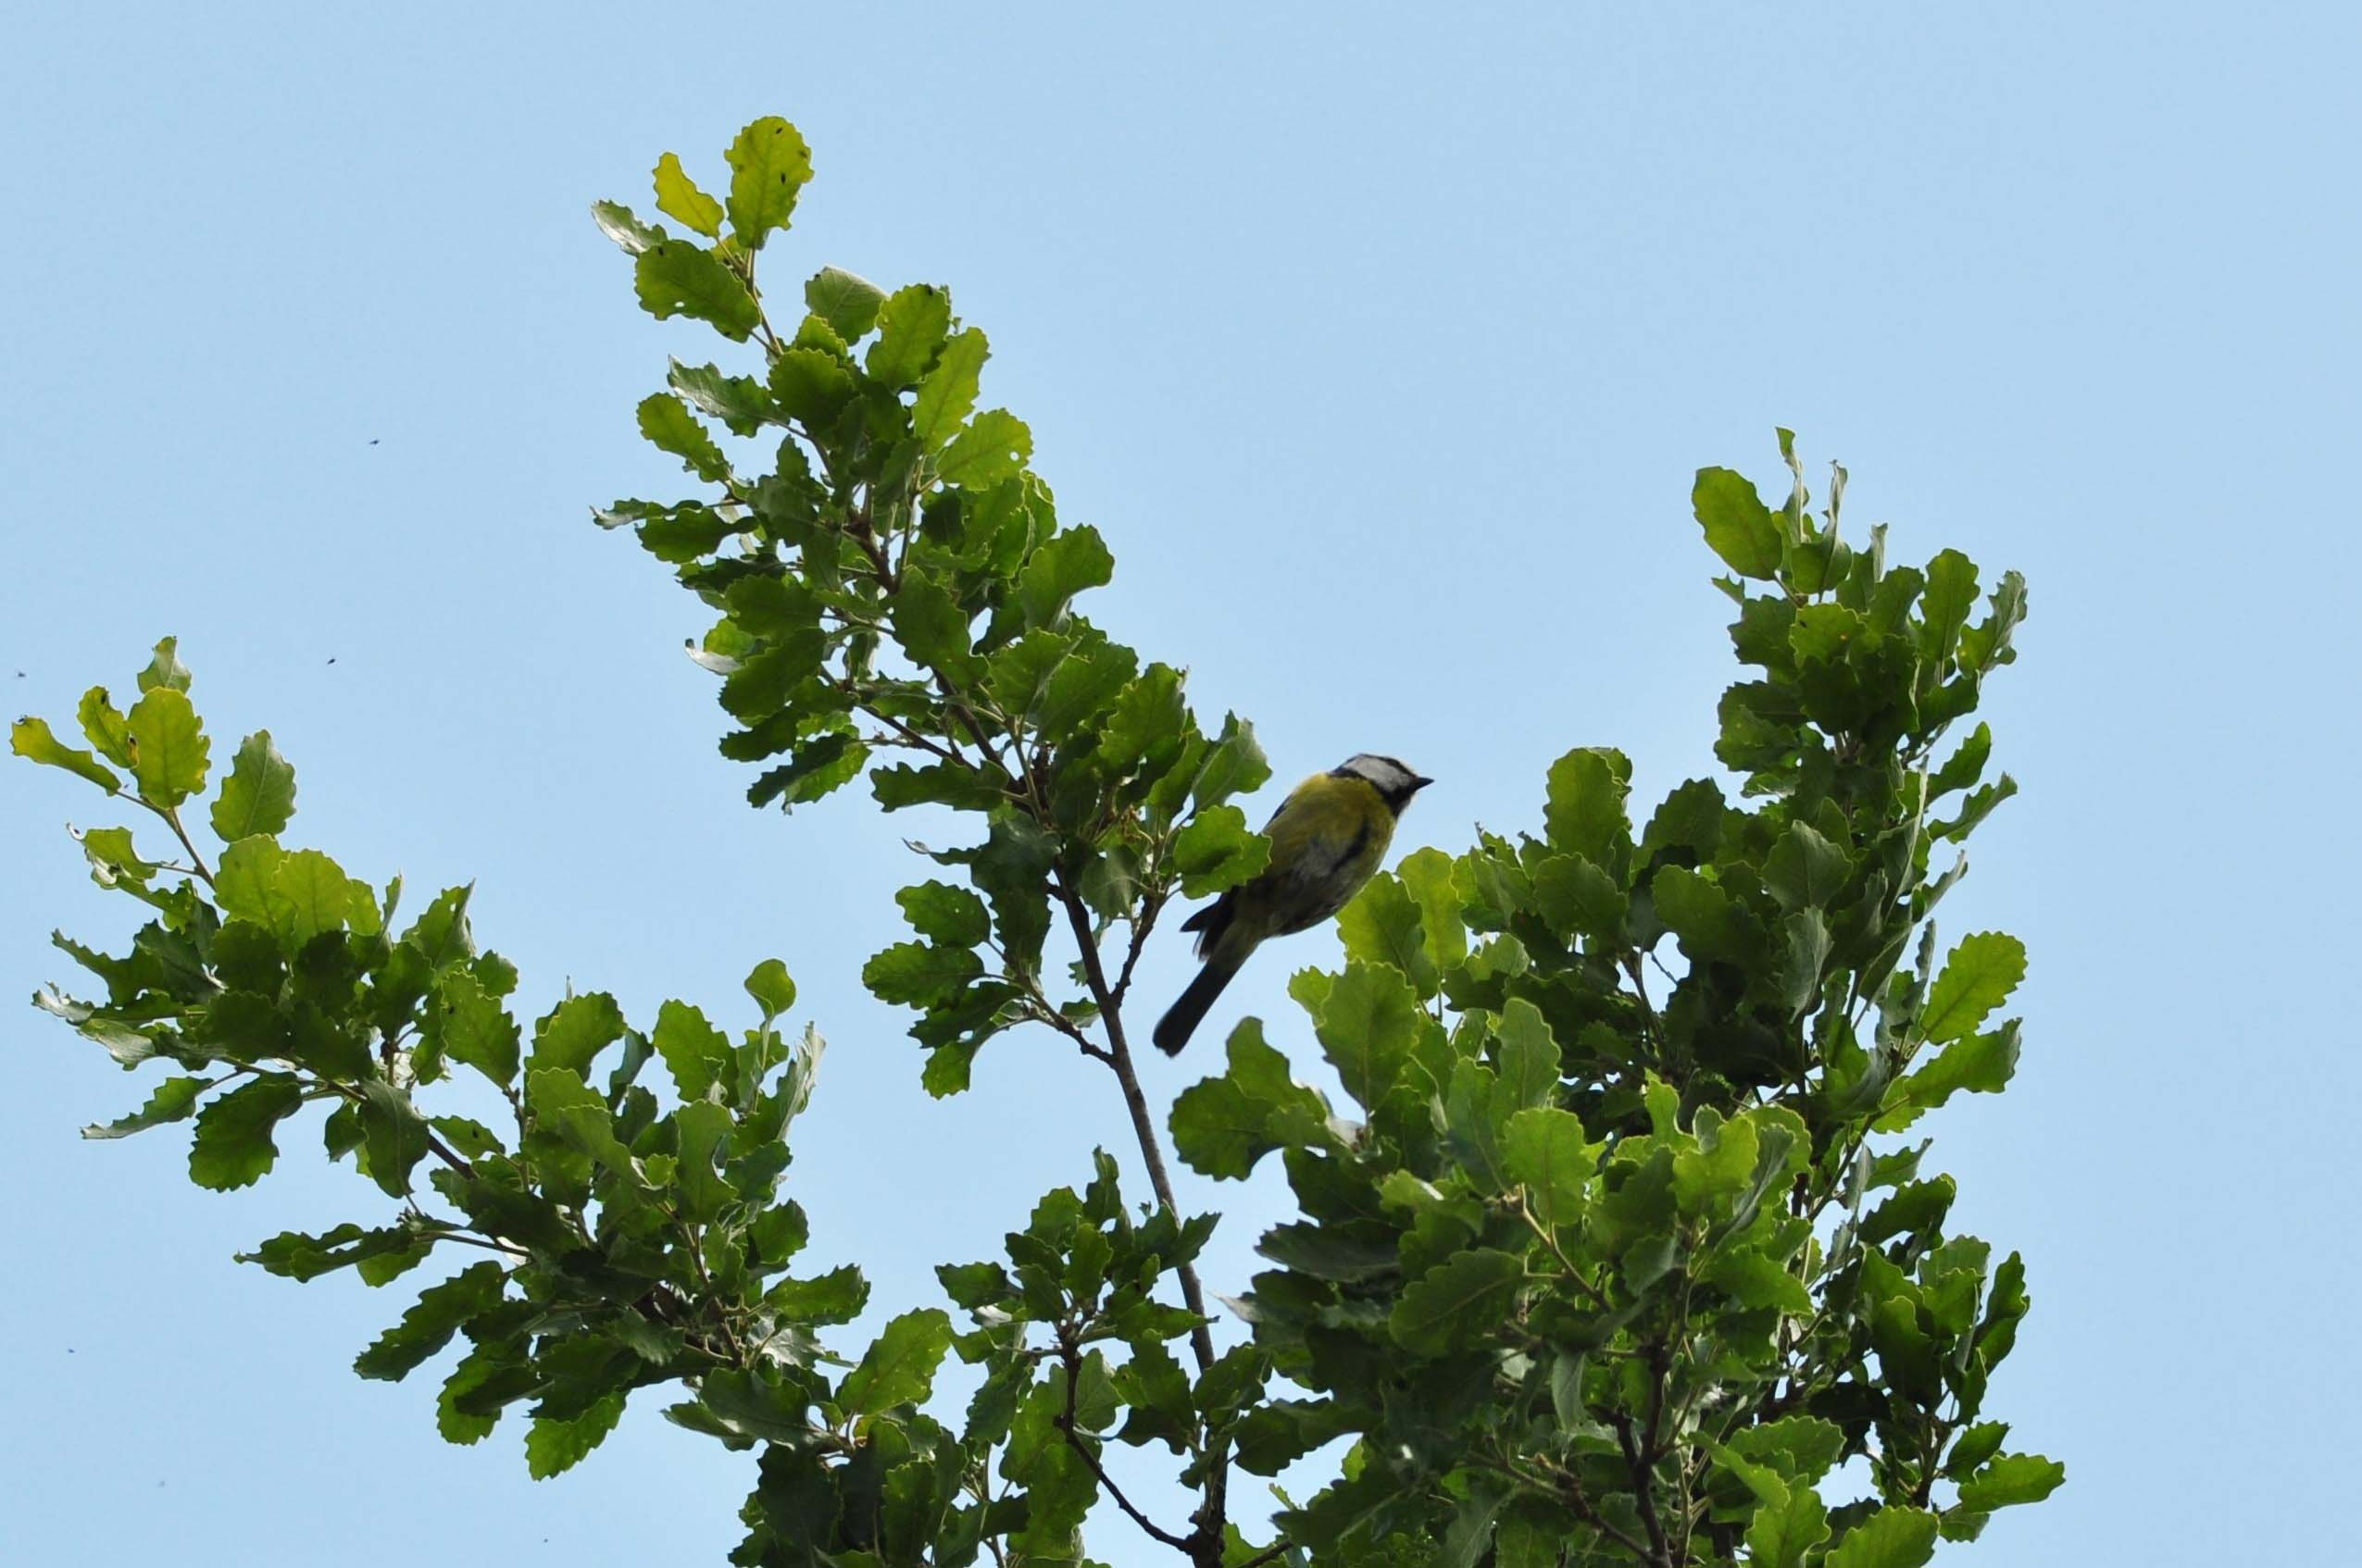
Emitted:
pixel 1569 1486
pixel 966 716
pixel 1039 1008
pixel 1205 1542
pixel 1641 1453
pixel 466 1238
pixel 1599 1297
pixel 697 1262
pixel 984 1502
pixel 444 1151
pixel 1143 1125
pixel 1068 1353
pixel 903 732
pixel 435 1145
pixel 1140 926
pixel 1642 1465
pixel 1271 1553
pixel 173 819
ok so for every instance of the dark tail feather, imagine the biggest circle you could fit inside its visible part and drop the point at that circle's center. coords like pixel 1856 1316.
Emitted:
pixel 1182 1019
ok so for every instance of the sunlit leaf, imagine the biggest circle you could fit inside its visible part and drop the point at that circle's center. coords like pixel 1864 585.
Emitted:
pixel 260 794
pixel 168 747
pixel 678 197
pixel 31 738
pixel 900 1367
pixel 676 278
pixel 769 165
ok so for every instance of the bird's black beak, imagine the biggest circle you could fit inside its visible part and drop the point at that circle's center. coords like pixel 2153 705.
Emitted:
pixel 1419 783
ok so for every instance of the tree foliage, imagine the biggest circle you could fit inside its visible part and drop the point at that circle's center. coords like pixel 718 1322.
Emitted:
pixel 1618 1255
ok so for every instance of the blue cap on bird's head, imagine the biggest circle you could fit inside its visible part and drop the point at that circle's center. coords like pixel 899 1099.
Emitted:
pixel 1395 782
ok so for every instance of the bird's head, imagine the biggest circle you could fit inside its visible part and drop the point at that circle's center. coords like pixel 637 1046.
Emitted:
pixel 1396 784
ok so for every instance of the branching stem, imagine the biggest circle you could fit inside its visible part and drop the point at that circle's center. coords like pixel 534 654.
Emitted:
pixel 1070 1354
pixel 171 816
pixel 1144 1123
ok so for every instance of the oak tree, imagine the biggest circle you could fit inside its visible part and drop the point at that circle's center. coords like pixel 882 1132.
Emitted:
pixel 1624 1247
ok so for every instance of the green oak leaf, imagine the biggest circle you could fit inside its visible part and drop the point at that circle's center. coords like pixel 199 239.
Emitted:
pixel 168 748
pixel 669 424
pixel 1943 610
pixel 108 730
pixel 931 627
pixel 1221 1126
pixel 810 385
pixel 394 1135
pixel 1367 1021
pixel 1710 924
pixel 1980 1064
pixel 293 1255
pixel 849 303
pixel 165 669
pixel 1803 1448
pixel 565 1106
pixel 694 1052
pixel 234 1146
pixel 918 975
pixel 945 914
pixel 772 988
pixel 308 894
pixel 769 165
pixel 995 444
pixel 31 738
pixel 1585 812
pixel 676 278
pixel 1978 976
pixel 1549 1154
pixel 1382 925
pixel 1214 852
pixel 1070 563
pixel 1780 1537
pixel 554 1446
pixel 1430 877
pixel 174 1100
pixel 911 326
pixel 1739 526
pixel 260 794
pixel 473 1028
pixel 1804 869
pixel 618 223
pixel 1973 1447
pixel 576 1030
pixel 678 197
pixel 837 1296
pixel 1457 1302
pixel 948 395
pixel 741 402
pixel 1577 899
pixel 1754 1280
pixel 899 1368
pixel 1893 1538
pixel 2010 1480
pixel 439 1313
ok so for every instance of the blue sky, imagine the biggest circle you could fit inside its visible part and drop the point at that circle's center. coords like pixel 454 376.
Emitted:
pixel 1380 344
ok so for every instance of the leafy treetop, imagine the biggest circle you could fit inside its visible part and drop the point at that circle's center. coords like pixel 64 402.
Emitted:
pixel 1618 1255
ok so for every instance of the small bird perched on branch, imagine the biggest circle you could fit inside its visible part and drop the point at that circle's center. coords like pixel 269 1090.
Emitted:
pixel 1326 839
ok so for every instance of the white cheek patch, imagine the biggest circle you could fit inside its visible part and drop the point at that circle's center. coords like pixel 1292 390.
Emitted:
pixel 1387 775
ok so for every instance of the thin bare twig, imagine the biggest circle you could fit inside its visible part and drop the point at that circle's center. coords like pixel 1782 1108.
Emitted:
pixel 1070 1354
pixel 1144 1124
pixel 171 816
